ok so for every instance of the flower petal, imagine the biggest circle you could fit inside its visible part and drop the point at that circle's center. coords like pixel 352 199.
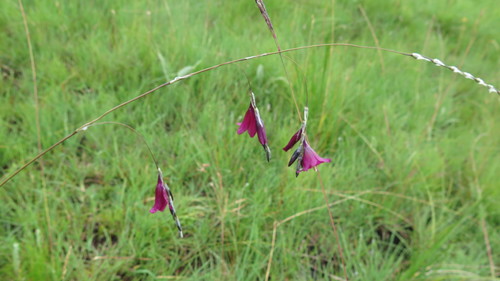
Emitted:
pixel 249 123
pixel 261 130
pixel 295 155
pixel 254 125
pixel 295 138
pixel 311 158
pixel 161 197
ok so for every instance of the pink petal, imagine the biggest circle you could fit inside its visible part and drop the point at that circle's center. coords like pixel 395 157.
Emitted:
pixel 295 138
pixel 261 131
pixel 161 199
pixel 311 158
pixel 249 123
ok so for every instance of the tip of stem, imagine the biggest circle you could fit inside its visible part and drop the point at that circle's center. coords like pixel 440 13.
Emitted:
pixel 268 152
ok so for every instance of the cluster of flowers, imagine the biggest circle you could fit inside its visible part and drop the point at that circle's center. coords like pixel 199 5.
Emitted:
pixel 252 123
pixel 305 156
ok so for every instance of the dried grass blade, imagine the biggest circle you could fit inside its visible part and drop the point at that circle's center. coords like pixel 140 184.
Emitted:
pixel 263 11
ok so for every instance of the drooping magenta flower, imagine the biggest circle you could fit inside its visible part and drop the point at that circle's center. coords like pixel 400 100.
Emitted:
pixel 311 159
pixel 161 197
pixel 252 123
pixel 164 198
pixel 305 156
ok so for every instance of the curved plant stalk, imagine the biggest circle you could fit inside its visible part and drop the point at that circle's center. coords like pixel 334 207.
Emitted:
pixel 163 187
pixel 143 139
pixel 83 127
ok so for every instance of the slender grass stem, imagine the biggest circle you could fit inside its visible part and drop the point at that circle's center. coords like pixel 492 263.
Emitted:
pixel 37 121
pixel 143 139
pixel 25 165
pixel 332 221
pixel 33 73
pixel 177 79
pixel 263 11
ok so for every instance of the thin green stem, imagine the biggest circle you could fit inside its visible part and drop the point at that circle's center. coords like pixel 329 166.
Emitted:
pixel 25 165
pixel 332 221
pixel 33 73
pixel 304 80
pixel 37 121
pixel 143 139
pixel 290 86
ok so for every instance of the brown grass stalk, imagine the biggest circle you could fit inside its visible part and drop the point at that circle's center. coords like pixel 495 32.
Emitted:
pixel 265 15
pixel 332 221
pixel 37 120
pixel 374 36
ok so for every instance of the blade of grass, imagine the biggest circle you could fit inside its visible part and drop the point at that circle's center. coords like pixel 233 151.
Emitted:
pixel 432 252
pixel 37 122
pixel 332 221
pixel 374 36
pixel 482 212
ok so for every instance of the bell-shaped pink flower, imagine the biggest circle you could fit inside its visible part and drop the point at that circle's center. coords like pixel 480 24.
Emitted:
pixel 249 123
pixel 311 159
pixel 252 123
pixel 164 198
pixel 306 158
pixel 161 197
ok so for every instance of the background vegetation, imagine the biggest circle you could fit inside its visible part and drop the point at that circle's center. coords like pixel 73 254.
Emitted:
pixel 415 147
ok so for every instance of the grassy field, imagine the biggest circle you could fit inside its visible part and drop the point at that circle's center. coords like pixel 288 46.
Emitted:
pixel 415 149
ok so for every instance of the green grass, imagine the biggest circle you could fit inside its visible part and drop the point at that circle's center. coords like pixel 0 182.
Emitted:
pixel 415 147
